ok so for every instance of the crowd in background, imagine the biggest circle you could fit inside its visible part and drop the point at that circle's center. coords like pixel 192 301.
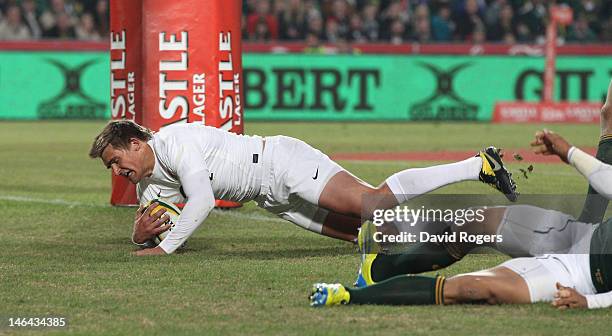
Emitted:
pixel 337 21
pixel 54 19
pixel 425 21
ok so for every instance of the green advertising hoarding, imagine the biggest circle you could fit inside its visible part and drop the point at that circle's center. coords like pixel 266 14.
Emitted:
pixel 49 85
pixel 396 87
pixel 42 85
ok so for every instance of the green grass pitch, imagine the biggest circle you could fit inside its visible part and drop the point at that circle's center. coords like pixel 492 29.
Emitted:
pixel 66 252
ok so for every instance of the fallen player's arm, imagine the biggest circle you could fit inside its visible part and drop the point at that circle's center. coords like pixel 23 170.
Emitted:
pixel 603 300
pixel 200 201
pixel 598 173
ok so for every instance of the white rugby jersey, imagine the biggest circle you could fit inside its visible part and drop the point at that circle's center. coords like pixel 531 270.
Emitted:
pixel 200 164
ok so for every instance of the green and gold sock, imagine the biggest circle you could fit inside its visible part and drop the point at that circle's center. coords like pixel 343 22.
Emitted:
pixel 402 290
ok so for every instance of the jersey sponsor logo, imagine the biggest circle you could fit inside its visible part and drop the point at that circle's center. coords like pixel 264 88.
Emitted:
pixel 599 277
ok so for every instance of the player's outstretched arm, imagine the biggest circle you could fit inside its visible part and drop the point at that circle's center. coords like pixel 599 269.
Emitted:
pixel 598 173
pixel 550 143
pixel 200 201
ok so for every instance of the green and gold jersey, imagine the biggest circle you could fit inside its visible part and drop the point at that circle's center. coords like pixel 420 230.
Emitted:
pixel 601 257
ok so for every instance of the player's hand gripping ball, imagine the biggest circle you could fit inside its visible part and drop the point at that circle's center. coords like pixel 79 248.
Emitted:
pixel 172 211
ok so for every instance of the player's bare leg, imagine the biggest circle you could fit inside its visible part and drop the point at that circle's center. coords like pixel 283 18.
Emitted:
pixel 498 285
pixel 344 193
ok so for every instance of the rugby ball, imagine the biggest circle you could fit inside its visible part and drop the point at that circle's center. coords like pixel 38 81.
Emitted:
pixel 172 211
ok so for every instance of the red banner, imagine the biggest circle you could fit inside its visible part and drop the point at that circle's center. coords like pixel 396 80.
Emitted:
pixel 563 112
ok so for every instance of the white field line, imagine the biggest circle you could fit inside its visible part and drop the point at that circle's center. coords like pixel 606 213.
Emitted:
pixel 72 204
pixel 55 201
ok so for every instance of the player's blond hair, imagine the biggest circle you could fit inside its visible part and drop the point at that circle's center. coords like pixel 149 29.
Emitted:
pixel 118 134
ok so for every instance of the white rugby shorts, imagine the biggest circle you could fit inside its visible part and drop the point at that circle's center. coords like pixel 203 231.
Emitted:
pixel 542 273
pixel 294 175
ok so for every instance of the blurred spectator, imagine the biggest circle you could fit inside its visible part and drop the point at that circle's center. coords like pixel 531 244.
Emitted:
pixel 312 9
pixel 523 34
pixel 63 28
pixel 493 11
pixel 292 21
pixel 442 27
pixel 339 15
pixel 391 18
pixel 371 27
pixel 11 27
pixel 356 32
pixel 315 26
pixel 262 14
pixel 479 36
pixel 313 44
pixel 580 31
pixel 397 35
pixel 421 30
pixel 86 29
pixel 468 21
pixel 262 32
pixel 102 17
pixel 49 17
pixel 30 18
pixel 504 26
pixel 605 17
pixel 531 21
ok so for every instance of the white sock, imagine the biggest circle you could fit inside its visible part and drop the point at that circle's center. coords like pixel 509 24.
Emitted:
pixel 410 183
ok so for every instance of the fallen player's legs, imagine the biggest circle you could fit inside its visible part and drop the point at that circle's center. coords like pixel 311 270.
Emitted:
pixel 494 286
pixel 516 281
pixel 595 205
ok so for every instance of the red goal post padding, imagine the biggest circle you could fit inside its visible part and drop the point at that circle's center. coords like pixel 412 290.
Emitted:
pixel 175 62
pixel 561 112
